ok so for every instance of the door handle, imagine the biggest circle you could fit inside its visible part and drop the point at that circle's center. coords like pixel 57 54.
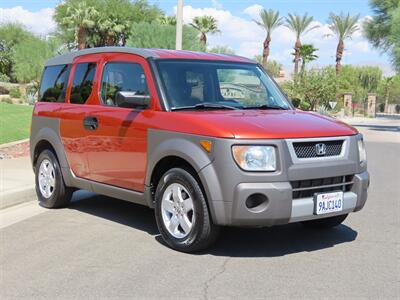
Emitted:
pixel 90 123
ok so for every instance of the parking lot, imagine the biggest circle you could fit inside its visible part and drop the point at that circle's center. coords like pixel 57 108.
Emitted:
pixel 105 248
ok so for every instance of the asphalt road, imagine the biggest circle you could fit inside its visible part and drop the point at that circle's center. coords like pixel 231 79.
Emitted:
pixel 105 248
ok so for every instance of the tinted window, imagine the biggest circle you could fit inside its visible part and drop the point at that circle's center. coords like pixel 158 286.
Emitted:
pixel 82 83
pixel 189 83
pixel 54 83
pixel 122 77
pixel 242 86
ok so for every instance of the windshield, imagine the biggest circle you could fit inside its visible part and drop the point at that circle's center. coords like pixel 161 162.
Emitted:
pixel 218 85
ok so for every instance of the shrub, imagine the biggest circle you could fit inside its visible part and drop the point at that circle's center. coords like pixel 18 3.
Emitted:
pixel 15 93
pixel 7 100
pixel 322 110
pixel 305 105
pixel 296 102
pixel 4 91
pixel 4 78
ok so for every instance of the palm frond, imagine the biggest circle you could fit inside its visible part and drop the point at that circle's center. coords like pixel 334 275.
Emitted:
pixel 344 26
pixel 269 20
pixel 300 24
pixel 205 24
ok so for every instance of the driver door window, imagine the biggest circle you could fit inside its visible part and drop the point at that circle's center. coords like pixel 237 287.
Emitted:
pixel 122 77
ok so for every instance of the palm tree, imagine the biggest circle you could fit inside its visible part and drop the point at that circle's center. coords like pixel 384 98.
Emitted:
pixel 167 20
pixel 307 54
pixel 344 27
pixel 112 30
pixel 204 25
pixel 299 25
pixel 81 17
pixel 269 21
pixel 387 85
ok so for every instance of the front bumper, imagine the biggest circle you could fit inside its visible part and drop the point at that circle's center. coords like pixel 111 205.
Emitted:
pixel 228 188
pixel 281 208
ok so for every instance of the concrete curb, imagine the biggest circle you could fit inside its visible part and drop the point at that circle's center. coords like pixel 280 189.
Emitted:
pixel 17 196
pixel 10 144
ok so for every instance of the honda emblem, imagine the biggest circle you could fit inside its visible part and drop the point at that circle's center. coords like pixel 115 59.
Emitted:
pixel 320 149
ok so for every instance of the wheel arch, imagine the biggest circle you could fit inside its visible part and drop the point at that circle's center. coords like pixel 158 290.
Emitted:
pixel 45 134
pixel 39 148
pixel 167 163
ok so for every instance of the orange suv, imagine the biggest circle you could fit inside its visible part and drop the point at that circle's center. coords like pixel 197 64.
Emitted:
pixel 205 139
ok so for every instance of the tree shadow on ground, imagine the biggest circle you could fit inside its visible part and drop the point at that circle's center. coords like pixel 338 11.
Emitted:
pixel 233 242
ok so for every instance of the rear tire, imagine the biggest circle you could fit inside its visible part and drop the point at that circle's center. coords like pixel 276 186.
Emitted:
pixel 181 212
pixel 325 223
pixel 50 186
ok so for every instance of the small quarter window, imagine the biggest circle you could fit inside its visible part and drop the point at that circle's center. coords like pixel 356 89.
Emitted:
pixel 54 83
pixel 82 83
pixel 122 77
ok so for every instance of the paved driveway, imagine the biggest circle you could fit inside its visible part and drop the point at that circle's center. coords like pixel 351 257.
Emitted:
pixel 105 248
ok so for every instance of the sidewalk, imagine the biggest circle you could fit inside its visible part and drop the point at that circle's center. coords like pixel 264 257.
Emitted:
pixel 373 128
pixel 17 181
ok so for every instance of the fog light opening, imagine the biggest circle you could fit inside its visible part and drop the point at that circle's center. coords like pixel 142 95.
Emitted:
pixel 256 202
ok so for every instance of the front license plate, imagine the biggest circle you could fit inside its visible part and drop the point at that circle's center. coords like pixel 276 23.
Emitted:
pixel 328 202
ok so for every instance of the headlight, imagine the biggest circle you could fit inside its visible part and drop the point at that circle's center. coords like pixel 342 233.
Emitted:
pixel 255 158
pixel 362 154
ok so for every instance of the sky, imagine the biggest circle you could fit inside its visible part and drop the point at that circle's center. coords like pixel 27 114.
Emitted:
pixel 238 30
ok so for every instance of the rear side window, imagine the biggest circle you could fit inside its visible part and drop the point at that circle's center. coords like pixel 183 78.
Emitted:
pixel 54 83
pixel 82 83
pixel 122 77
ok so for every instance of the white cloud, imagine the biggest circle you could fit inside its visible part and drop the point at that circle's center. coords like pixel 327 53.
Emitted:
pixel 40 22
pixel 253 11
pixel 362 46
pixel 216 4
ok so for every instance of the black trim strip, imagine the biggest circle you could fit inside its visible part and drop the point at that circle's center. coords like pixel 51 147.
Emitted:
pixel 157 82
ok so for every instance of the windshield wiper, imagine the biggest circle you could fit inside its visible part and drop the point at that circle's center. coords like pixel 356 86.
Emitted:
pixel 204 106
pixel 265 106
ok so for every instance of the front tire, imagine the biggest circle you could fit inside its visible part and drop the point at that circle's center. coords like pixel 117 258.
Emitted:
pixel 181 212
pixel 325 223
pixel 50 186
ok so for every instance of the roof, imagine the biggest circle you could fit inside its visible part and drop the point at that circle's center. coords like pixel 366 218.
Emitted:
pixel 146 53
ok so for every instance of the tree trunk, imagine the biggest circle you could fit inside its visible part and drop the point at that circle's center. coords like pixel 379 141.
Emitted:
pixel 266 51
pixel 81 37
pixel 110 41
pixel 303 67
pixel 203 39
pixel 297 46
pixel 339 55
pixel 386 99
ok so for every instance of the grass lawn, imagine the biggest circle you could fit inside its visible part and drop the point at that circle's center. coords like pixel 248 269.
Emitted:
pixel 15 121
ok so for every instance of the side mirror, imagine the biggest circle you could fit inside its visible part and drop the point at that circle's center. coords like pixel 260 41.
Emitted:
pixel 132 100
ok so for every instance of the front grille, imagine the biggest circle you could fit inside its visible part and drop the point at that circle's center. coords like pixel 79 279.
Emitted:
pixel 307 188
pixel 309 149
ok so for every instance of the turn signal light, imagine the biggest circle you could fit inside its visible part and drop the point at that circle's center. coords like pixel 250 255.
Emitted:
pixel 207 145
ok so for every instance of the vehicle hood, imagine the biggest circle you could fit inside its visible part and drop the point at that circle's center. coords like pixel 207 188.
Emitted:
pixel 261 124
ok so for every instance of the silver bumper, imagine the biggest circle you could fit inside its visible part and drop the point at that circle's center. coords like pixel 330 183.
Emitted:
pixel 281 207
pixel 303 209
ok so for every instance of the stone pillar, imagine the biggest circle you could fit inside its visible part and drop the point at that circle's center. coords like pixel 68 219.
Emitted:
pixel 371 105
pixel 348 104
